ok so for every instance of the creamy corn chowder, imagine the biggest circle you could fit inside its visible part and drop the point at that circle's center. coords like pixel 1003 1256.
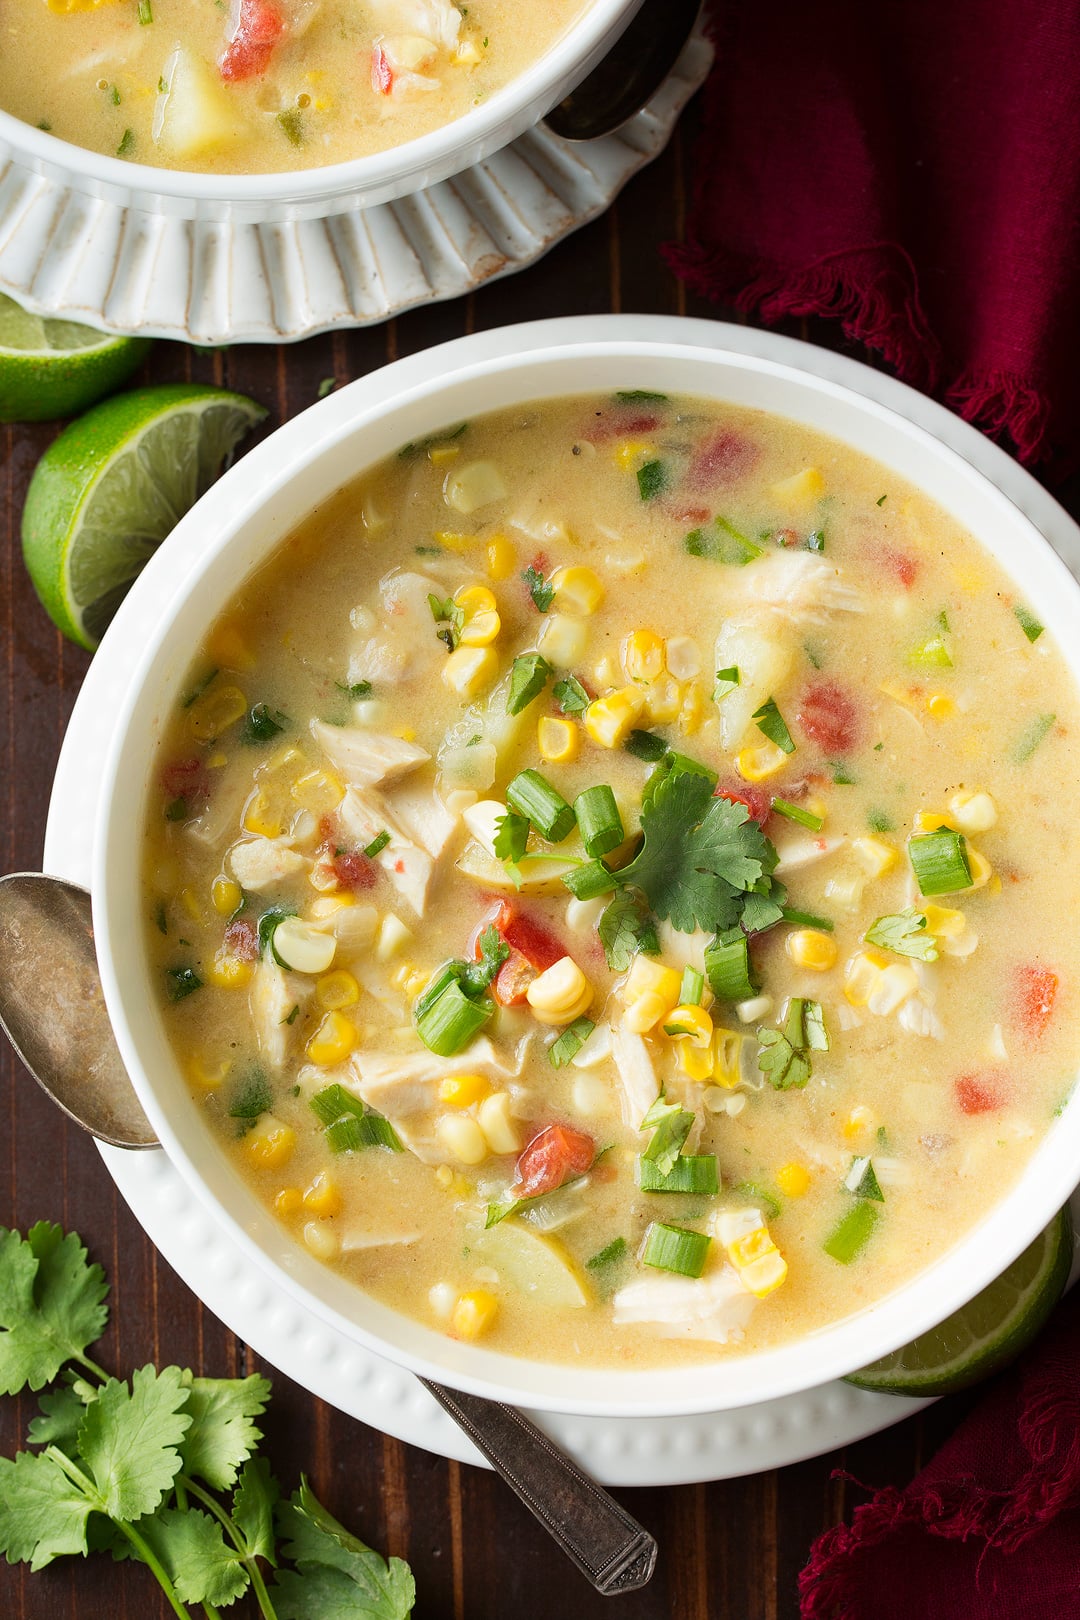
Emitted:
pixel 255 86
pixel 610 881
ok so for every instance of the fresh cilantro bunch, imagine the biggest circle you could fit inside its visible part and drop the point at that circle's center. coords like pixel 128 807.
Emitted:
pixel 162 1468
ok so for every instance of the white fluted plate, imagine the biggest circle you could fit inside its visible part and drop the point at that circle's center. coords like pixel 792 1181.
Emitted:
pixel 126 270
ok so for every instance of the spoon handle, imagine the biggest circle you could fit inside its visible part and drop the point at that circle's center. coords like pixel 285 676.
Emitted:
pixel 609 1547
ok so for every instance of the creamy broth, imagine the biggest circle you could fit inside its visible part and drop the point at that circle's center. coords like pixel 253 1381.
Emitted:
pixel 264 85
pixel 897 717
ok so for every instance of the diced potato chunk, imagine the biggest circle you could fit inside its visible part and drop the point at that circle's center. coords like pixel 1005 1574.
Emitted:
pixel 193 111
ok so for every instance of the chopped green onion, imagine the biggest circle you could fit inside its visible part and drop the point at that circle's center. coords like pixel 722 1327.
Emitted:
pixel 670 1125
pixel 794 812
pixel 676 1248
pixel 599 821
pixel 445 611
pixel 851 1233
pixel 198 689
pixel 1028 623
pixel 570 695
pixel 181 982
pixel 652 478
pixel 723 543
pixel 333 1103
pixel 754 1193
pixel 532 795
pixel 841 774
pixel 692 988
pixel 940 862
pixel 528 677
pixel 881 500
pixel 695 1173
pixel 816 541
pixel 862 1182
pixel 639 396
pixel 683 764
pixel 646 745
pixel 127 142
pixel 146 13
pixel 177 810
pixel 591 879
pixel 931 654
pixel 879 822
pixel 355 690
pixel 260 725
pixel 807 919
pixel 292 125
pixel 726 681
pixel 379 842
pixel 511 836
pixel 451 1020
pixel 771 722
pixel 1031 738
pixel 570 1042
pixel 607 1256
pixel 292 1017
pixel 804 1025
pixel 727 965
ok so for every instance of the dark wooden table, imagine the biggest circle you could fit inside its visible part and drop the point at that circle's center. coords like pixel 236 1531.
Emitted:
pixel 729 1551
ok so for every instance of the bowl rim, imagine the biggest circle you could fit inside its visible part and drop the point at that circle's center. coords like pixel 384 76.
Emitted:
pixel 407 166
pixel 242 497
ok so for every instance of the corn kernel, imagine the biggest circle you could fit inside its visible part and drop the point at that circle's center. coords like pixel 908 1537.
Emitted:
pixel 973 812
pixel 577 590
pixel 895 984
pixel 560 994
pixel 563 640
pixel 228 971
pixel 270 1145
pixel 468 670
pixel 663 700
pixel 632 451
pixel 810 948
pixel 861 976
pixel 447 540
pixel 940 705
pixel 336 990
pixel 758 1261
pixel 804 486
pixel 692 711
pixel 793 1180
pixel 727 1058
pixel 944 922
pixel 327 904
pixel 683 657
pixel 482 621
pixel 501 557
pixel 645 975
pixel 217 760
pixel 462 1090
pixel 466 54
pixel 192 905
pixel 440 455
pixel 332 1042
pixel 318 791
pixel 323 1197
pixel 692 1025
pixel 645 1012
pixel 755 764
pixel 462 1138
pixel 228 648
pixel 608 719
pixel 695 1063
pixel 875 855
pixel 260 816
pixel 322 1241
pixel 289 1202
pixel 473 1314
pixel 226 895
pixel 979 867
pixel 557 740
pixel 643 655
pixel 215 711
pixel 498 1124
pixel 862 1121
pixel 207 1075
pixel 444 1176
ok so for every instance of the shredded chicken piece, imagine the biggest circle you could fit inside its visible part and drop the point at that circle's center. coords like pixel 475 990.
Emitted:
pixel 403 1087
pixel 640 1087
pixel 715 1307
pixel 801 586
pixel 406 647
pixel 262 863
pixel 272 997
pixel 367 758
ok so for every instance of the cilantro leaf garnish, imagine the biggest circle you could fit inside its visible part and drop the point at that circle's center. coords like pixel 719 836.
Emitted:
pixel 192 1548
pixel 252 1097
pixel 772 723
pixel 476 976
pixel 541 592
pixel 626 927
pixel 570 695
pixel 670 1125
pixel 511 836
pixel 222 1434
pixel 337 1576
pixel 904 932
pixel 42 1513
pixel 784 1054
pixel 699 856
pixel 446 613
pixel 130 1438
pixel 52 1305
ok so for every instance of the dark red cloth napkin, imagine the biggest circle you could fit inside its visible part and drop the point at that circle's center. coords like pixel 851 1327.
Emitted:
pixel 912 169
pixel 990 1530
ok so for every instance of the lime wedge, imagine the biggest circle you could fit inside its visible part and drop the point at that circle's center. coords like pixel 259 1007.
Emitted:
pixel 56 368
pixel 112 486
pixel 989 1331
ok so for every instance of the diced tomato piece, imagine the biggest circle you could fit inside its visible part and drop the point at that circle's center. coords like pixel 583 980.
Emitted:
pixel 899 564
pixel 186 779
pixel 1034 989
pixel 979 1093
pixel 626 421
pixel 242 939
pixel 382 74
pixel 683 512
pixel 721 459
pixel 829 716
pixel 513 980
pixel 259 26
pixel 550 1159
pixel 354 870
pixel 786 538
pixel 758 800
pixel 537 944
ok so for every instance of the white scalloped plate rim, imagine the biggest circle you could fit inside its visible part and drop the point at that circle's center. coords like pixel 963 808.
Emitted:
pixel 126 270
pixel 621 1451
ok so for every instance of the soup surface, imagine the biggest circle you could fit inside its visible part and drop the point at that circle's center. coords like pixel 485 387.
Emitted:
pixel 262 85
pixel 611 881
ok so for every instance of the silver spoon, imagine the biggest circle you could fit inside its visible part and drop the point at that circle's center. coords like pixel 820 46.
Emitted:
pixel 629 75
pixel 53 1013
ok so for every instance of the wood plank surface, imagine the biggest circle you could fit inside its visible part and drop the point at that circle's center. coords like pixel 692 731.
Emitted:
pixel 729 1551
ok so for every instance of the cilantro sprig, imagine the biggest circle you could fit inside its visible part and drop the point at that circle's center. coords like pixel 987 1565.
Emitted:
pixel 784 1054
pixel 905 933
pixel 162 1468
